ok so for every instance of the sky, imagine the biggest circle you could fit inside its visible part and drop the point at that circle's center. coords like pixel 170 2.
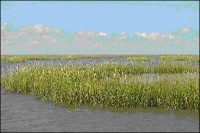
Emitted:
pixel 133 27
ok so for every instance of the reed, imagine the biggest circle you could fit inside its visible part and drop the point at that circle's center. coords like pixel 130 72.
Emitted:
pixel 191 58
pixel 18 59
pixel 139 59
pixel 23 58
pixel 101 86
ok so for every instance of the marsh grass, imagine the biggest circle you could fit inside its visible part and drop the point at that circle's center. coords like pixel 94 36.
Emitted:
pixel 18 59
pixel 23 58
pixel 170 78
pixel 139 59
pixel 87 86
pixel 191 58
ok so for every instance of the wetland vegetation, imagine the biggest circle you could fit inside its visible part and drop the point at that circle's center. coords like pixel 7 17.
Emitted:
pixel 137 58
pixel 174 86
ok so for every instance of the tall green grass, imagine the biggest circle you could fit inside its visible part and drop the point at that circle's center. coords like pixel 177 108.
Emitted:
pixel 23 58
pixel 102 86
pixel 139 59
pixel 192 58
pixel 18 59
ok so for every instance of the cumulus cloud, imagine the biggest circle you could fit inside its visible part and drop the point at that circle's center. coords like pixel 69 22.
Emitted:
pixel 5 27
pixel 32 37
pixel 156 36
pixel 123 36
pixel 88 34
pixel 82 36
pixel 170 36
pixel 152 36
pixel 185 30
pixel 102 34
pixel 42 39
pixel 142 34
pixel 33 34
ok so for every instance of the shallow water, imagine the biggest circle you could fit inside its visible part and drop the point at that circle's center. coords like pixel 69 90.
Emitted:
pixel 25 113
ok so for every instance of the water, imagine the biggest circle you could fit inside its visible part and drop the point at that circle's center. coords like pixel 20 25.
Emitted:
pixel 25 113
pixel 154 61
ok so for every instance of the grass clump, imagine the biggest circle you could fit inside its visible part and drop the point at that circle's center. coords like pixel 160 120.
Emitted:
pixel 23 58
pixel 12 59
pixel 18 59
pixel 138 59
pixel 191 58
pixel 102 86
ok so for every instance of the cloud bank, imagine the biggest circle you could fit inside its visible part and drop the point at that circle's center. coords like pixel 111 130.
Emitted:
pixel 42 39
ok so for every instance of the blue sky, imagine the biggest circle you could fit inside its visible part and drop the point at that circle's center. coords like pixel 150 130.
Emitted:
pixel 74 17
pixel 108 17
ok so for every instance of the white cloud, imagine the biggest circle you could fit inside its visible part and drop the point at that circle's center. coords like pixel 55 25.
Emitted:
pixel 123 36
pixel 57 31
pixel 142 34
pixel 5 27
pixel 124 33
pixel 38 29
pixel 27 35
pixel 103 34
pixel 170 36
pixel 40 38
pixel 84 35
pixel 151 36
pixel 185 30
pixel 156 36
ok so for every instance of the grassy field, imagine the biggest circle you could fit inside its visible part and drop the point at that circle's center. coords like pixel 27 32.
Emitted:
pixel 173 86
pixel 139 59
pixel 17 59
pixel 192 58
pixel 23 58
